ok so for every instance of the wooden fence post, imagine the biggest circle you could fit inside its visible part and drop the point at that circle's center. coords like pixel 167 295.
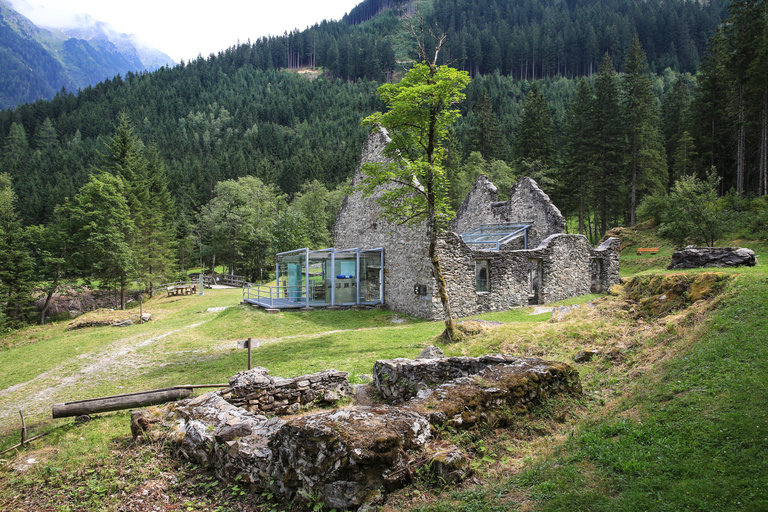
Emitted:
pixel 249 353
pixel 23 429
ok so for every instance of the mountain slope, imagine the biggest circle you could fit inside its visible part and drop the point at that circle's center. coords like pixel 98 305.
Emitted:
pixel 36 62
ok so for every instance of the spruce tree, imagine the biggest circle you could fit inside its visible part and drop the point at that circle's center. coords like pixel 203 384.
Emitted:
pixel 646 157
pixel 16 277
pixel 103 232
pixel 534 139
pixel 578 173
pixel 607 133
pixel 485 132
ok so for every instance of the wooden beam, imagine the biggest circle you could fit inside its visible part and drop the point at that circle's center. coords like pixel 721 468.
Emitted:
pixel 116 403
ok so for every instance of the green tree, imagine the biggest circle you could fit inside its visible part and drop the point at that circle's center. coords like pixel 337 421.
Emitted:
pixel 318 206
pixel 238 223
pixel 485 131
pixel 16 277
pixel 691 213
pixel 103 232
pixel 579 170
pixel 646 157
pixel 606 132
pixel 420 109
pixel 534 139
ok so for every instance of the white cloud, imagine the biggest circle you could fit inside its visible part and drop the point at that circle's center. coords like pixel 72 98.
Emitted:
pixel 186 28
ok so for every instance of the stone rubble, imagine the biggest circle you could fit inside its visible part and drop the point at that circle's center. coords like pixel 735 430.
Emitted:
pixel 350 458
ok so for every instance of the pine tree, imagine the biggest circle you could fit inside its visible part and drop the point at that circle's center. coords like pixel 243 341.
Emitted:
pixel 646 157
pixel 485 132
pixel 534 139
pixel 103 232
pixel 675 121
pixel 155 237
pixel 577 176
pixel 607 133
pixel 16 278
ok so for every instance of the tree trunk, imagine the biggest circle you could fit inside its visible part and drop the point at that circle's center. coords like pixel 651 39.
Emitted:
pixel 437 270
pixel 740 145
pixel 764 146
pixel 151 285
pixel 633 203
pixel 49 296
pixel 122 290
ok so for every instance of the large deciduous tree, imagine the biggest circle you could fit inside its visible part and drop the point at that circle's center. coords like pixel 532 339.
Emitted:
pixel 420 109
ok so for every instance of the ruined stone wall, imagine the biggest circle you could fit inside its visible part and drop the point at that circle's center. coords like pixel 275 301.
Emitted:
pixel 258 392
pixel 507 274
pixel 406 260
pixel 565 266
pixel 527 203
pixel 350 458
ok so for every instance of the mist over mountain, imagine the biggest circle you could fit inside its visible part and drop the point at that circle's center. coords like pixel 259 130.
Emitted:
pixel 37 62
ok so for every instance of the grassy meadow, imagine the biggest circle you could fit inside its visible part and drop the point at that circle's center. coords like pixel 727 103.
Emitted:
pixel 672 417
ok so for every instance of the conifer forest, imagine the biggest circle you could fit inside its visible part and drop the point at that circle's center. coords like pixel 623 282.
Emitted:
pixel 611 106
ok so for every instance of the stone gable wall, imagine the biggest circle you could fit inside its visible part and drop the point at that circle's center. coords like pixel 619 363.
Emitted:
pixel 527 203
pixel 406 260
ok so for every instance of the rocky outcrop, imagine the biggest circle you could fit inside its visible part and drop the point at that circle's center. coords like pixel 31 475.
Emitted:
pixel 695 257
pixel 258 392
pixel 350 458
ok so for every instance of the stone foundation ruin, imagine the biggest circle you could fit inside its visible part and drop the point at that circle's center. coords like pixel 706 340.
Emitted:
pixel 349 458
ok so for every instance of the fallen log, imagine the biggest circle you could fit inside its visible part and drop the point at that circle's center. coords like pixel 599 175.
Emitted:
pixel 125 401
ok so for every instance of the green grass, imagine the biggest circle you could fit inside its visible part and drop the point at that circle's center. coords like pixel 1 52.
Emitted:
pixel 700 436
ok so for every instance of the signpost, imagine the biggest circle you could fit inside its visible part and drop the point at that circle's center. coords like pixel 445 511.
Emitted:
pixel 249 345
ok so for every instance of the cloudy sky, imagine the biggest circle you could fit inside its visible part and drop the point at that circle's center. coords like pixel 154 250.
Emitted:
pixel 185 29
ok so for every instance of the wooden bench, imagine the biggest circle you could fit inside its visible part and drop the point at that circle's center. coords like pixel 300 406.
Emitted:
pixel 649 250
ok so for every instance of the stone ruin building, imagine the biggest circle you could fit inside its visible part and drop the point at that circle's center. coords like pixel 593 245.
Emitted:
pixel 496 255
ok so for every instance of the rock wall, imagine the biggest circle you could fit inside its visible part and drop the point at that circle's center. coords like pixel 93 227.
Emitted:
pixel 696 257
pixel 350 458
pixel 257 392
pixel 563 266
pixel 399 380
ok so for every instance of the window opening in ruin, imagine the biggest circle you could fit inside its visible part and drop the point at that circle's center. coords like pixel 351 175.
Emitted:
pixel 534 281
pixel 490 237
pixel 481 275
pixel 596 270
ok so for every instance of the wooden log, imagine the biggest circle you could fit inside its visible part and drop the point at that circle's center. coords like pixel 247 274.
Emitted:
pixel 116 403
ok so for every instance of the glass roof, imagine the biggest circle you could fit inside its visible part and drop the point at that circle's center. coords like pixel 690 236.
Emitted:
pixel 495 234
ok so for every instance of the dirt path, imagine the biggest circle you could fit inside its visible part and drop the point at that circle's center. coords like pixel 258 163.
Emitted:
pixel 120 358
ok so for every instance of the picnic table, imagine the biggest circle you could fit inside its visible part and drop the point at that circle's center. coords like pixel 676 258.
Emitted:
pixel 182 289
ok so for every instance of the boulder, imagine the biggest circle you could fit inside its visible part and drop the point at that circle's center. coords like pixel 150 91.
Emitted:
pixel 695 257
pixel 431 352
pixel 584 356
pixel 401 379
